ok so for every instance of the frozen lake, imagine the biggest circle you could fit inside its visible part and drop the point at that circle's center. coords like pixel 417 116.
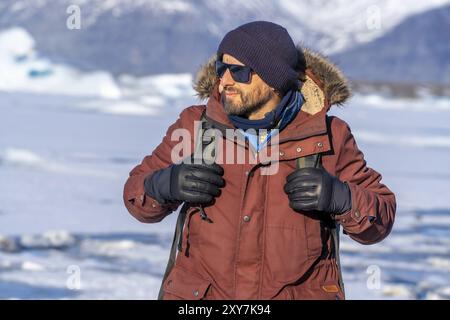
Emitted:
pixel 64 160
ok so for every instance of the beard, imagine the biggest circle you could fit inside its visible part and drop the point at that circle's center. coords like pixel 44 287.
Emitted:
pixel 245 103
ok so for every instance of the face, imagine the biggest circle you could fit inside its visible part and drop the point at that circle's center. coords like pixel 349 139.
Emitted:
pixel 243 99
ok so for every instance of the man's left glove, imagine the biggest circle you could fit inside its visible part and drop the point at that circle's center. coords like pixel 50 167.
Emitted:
pixel 311 189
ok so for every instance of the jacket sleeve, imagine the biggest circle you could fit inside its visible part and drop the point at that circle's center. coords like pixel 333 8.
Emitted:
pixel 141 206
pixel 372 215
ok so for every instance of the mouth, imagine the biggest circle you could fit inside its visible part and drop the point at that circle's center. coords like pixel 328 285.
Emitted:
pixel 230 93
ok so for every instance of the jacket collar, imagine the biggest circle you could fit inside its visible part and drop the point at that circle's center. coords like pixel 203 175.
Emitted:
pixel 304 125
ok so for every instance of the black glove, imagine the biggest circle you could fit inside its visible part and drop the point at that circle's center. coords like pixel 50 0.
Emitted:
pixel 315 189
pixel 193 183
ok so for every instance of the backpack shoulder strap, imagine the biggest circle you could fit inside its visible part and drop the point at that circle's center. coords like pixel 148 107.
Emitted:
pixel 203 141
pixel 173 251
pixel 315 161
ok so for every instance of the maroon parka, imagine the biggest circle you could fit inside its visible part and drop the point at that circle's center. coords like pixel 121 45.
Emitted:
pixel 257 246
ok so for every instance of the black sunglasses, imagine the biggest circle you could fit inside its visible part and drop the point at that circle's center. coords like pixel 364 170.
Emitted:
pixel 239 73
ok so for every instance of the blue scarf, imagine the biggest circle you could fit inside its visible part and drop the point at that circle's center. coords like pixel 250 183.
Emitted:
pixel 279 118
pixel 270 119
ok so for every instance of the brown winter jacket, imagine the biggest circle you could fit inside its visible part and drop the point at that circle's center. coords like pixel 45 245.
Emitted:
pixel 257 247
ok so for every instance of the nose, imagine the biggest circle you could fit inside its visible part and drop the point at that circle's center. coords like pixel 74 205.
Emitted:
pixel 227 79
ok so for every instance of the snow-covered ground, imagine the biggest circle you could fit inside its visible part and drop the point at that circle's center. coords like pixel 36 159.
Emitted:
pixel 408 142
pixel 62 169
pixel 64 157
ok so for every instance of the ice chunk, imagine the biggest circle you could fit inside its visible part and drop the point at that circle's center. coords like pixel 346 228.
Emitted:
pixel 8 244
pixel 16 42
pixel 32 266
pixel 21 69
pixel 51 239
pixel 398 291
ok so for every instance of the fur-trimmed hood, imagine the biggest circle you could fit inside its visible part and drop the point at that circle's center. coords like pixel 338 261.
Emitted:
pixel 325 84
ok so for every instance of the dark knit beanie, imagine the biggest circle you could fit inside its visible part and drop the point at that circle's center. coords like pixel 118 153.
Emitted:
pixel 268 49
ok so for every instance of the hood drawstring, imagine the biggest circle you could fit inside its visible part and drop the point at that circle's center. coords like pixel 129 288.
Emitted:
pixel 203 214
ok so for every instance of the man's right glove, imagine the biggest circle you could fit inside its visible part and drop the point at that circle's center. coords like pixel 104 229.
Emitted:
pixel 193 183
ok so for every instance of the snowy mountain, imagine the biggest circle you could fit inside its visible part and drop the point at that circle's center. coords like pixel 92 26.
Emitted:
pixel 345 23
pixel 149 36
pixel 417 50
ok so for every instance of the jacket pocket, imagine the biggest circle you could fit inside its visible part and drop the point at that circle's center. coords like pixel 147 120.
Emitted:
pixel 286 255
pixel 182 284
pixel 322 284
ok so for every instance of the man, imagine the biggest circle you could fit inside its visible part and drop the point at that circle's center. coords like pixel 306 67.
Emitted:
pixel 249 234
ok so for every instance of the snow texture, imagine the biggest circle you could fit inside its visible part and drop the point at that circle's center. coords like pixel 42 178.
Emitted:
pixel 66 151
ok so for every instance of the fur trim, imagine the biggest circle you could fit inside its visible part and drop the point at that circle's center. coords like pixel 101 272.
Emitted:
pixel 206 78
pixel 335 86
